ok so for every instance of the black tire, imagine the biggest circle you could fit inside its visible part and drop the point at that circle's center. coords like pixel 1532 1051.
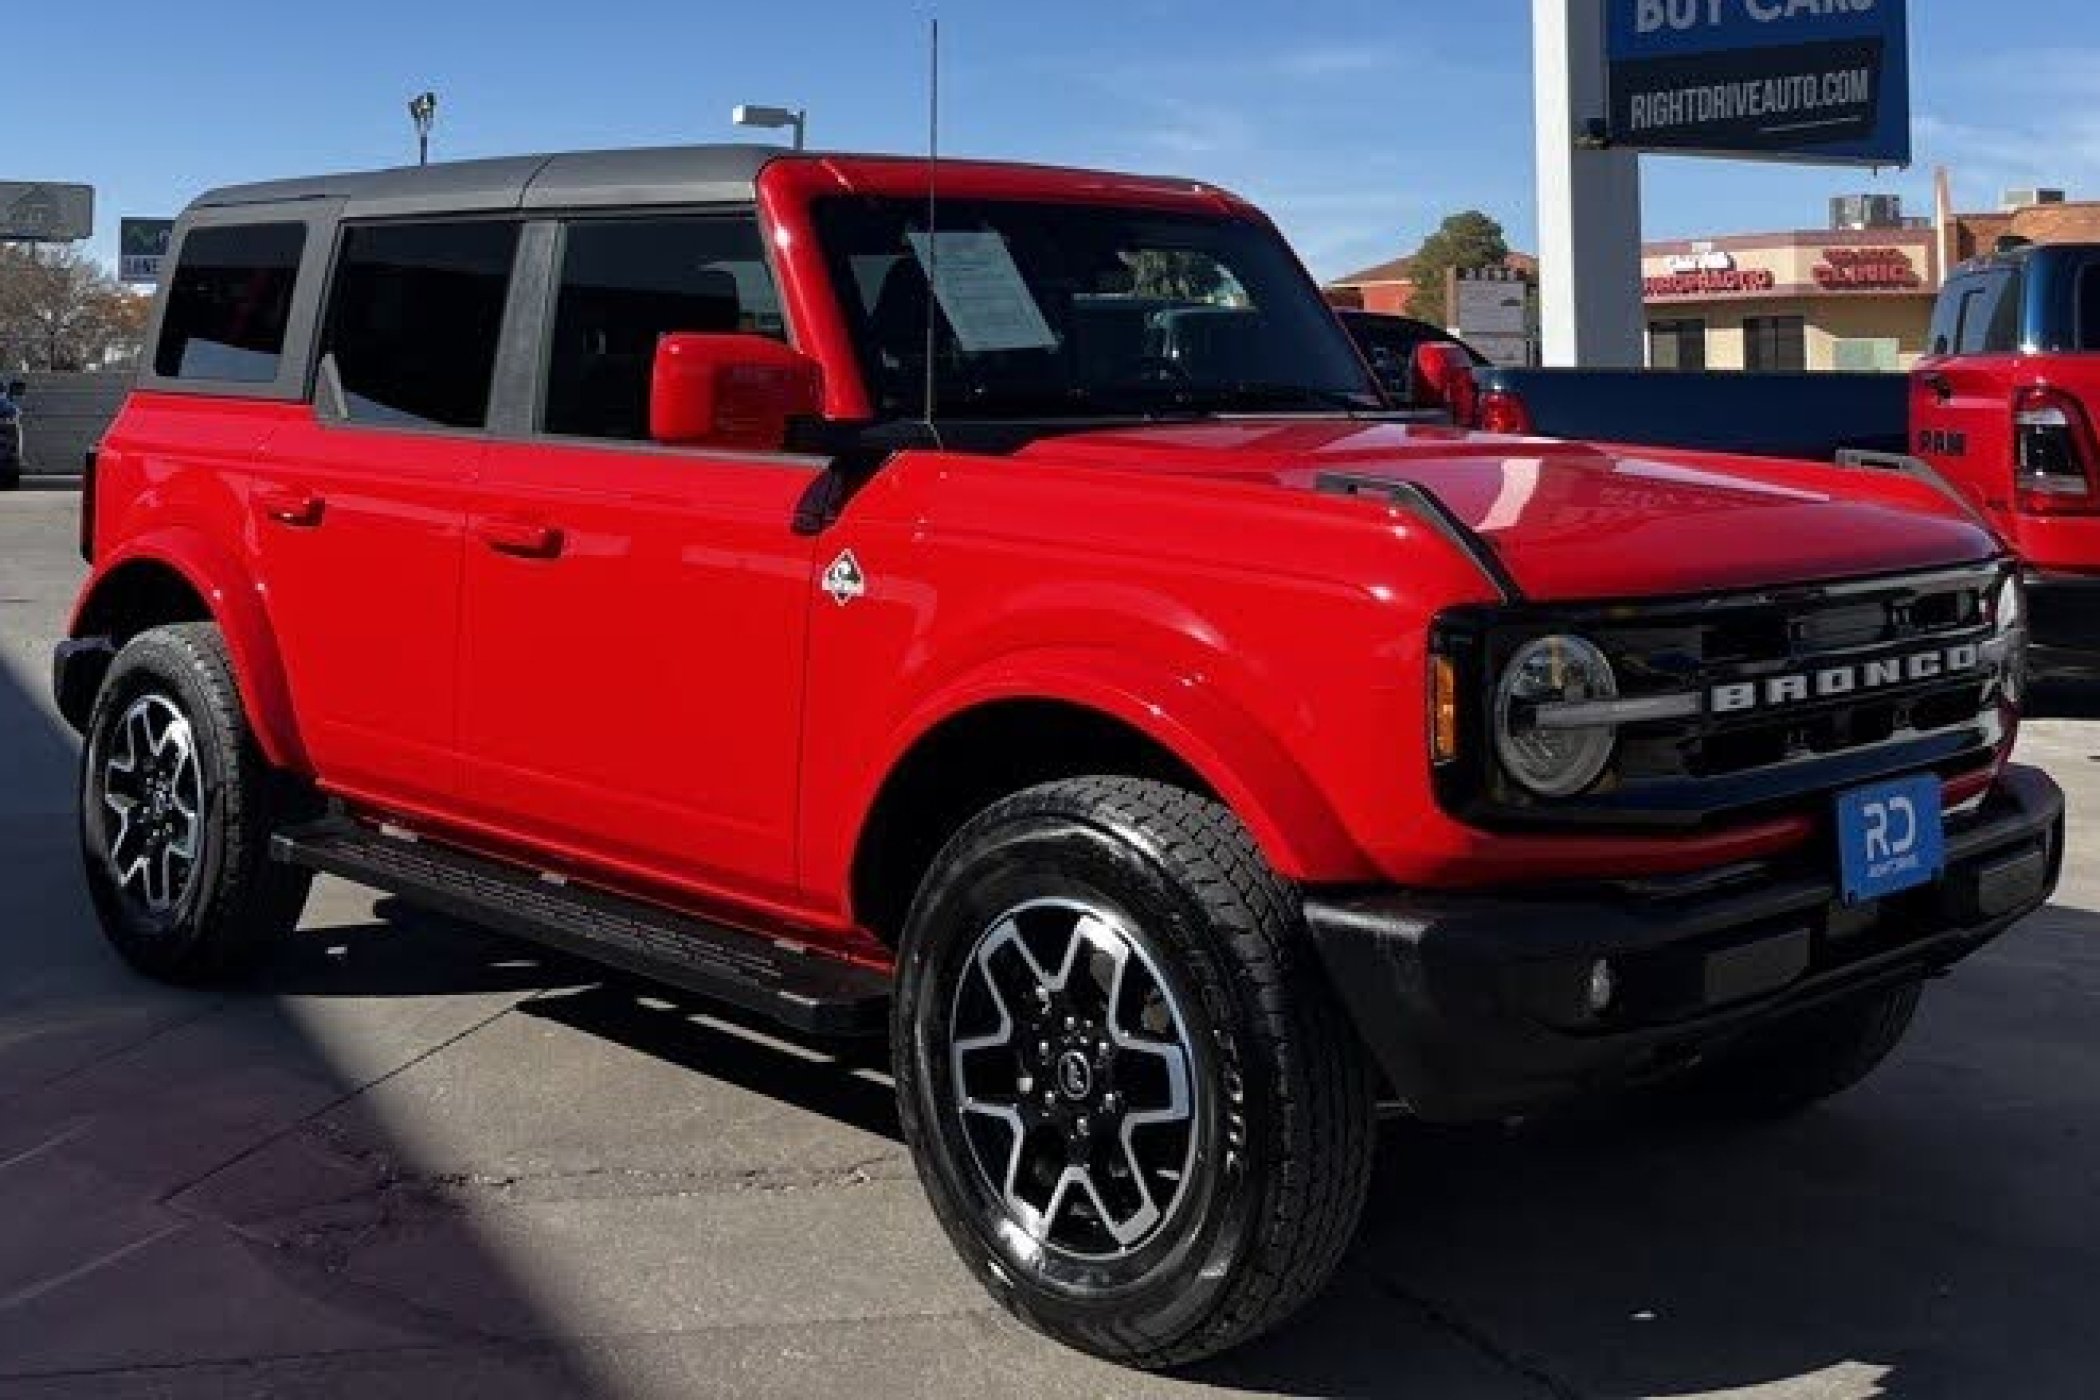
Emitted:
pixel 215 914
pixel 1801 1062
pixel 1279 1114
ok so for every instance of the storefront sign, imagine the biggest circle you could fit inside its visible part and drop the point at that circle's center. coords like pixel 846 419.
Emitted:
pixel 1694 284
pixel 1806 80
pixel 1702 260
pixel 1867 270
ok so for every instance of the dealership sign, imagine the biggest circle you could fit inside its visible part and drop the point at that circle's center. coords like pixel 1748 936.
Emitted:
pixel 1807 80
pixel 142 247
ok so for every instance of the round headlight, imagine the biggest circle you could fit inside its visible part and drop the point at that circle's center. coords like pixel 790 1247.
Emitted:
pixel 1553 762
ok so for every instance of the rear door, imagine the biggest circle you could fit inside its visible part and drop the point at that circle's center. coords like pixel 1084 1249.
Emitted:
pixel 1961 392
pixel 635 615
pixel 360 505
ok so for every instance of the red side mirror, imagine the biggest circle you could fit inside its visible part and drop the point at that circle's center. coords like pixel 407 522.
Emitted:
pixel 1442 374
pixel 733 391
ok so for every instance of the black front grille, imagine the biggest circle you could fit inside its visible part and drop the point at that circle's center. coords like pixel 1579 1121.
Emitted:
pixel 1718 768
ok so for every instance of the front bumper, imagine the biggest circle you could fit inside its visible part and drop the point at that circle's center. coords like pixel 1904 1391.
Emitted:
pixel 1477 1006
pixel 2063 612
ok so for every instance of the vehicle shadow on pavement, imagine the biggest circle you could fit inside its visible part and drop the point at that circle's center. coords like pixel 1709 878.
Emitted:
pixel 194 1197
pixel 846 1081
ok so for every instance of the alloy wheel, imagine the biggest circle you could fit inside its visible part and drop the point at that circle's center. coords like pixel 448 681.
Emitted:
pixel 1072 1073
pixel 153 803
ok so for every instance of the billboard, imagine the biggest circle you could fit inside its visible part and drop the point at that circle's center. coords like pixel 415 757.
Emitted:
pixel 1496 311
pixel 34 213
pixel 142 246
pixel 1804 80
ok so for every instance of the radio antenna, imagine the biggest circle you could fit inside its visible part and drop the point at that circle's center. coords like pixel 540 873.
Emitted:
pixel 933 208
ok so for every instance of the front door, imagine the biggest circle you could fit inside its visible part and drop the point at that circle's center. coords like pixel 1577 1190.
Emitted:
pixel 634 616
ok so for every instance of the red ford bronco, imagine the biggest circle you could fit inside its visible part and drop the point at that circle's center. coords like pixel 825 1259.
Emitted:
pixel 1011 619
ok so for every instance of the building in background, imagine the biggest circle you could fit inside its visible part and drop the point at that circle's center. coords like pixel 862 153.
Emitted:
pixel 1857 295
pixel 1854 295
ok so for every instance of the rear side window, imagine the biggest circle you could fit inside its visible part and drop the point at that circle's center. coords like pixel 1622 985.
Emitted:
pixel 2089 306
pixel 229 303
pixel 414 320
pixel 1978 315
pixel 625 284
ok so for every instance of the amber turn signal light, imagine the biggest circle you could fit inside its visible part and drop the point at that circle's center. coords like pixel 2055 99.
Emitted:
pixel 1443 709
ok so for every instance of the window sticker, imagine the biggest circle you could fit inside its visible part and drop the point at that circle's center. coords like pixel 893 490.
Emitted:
pixel 981 291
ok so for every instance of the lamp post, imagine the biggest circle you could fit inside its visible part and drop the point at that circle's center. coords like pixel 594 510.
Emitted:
pixel 773 118
pixel 423 111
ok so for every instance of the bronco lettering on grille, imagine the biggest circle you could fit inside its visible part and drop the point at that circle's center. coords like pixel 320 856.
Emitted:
pixel 1830 682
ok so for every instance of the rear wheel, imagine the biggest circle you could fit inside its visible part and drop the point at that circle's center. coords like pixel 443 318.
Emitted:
pixel 1133 1100
pixel 1803 1061
pixel 177 806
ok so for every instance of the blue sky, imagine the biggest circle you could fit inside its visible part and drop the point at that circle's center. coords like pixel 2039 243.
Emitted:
pixel 1359 125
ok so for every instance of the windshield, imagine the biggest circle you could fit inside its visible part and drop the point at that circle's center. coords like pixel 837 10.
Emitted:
pixel 1079 310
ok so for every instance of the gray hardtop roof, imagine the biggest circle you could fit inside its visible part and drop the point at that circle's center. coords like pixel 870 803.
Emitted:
pixel 572 180
pixel 584 179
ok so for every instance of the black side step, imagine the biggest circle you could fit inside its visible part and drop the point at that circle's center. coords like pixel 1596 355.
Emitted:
pixel 778 979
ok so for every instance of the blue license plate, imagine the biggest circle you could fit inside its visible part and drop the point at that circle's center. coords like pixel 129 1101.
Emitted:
pixel 1890 838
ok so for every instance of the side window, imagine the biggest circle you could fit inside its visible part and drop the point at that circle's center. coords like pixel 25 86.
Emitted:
pixel 2089 307
pixel 625 284
pixel 414 319
pixel 229 303
pixel 1990 317
pixel 1947 315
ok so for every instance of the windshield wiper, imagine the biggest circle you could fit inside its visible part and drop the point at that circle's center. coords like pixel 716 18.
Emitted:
pixel 1256 394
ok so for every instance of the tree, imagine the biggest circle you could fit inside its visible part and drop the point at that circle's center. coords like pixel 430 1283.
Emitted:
pixel 59 310
pixel 1467 242
pixel 1175 275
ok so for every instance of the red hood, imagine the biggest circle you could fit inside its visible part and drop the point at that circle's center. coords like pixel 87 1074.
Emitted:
pixel 1571 520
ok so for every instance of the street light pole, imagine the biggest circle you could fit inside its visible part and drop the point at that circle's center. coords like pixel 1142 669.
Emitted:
pixel 773 117
pixel 422 110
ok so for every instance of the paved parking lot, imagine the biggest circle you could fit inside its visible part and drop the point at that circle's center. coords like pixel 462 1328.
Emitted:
pixel 418 1160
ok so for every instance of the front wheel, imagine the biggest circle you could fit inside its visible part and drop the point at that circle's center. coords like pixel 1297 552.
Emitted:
pixel 1133 1100
pixel 176 806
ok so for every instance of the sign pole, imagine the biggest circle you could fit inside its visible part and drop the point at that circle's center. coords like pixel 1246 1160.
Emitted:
pixel 1589 199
